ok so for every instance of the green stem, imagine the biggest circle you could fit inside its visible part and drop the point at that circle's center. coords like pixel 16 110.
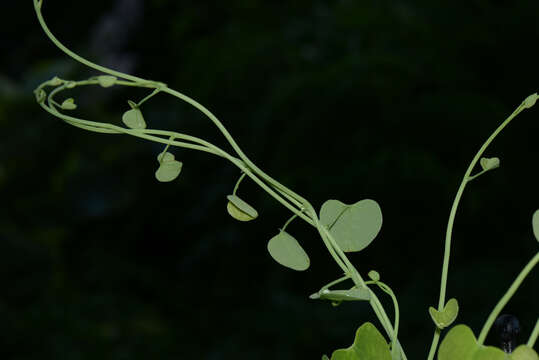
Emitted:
pixel 238 183
pixel 505 299
pixel 154 92
pixel 298 200
pixel 534 335
pixel 288 222
pixel 335 282
pixel 449 230
pixel 37 7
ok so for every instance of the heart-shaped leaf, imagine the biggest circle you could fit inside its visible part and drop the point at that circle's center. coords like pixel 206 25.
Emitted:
pixel 445 317
pixel 353 294
pixel 133 119
pixel 355 226
pixel 68 104
pixel 461 344
pixel 530 100
pixel 535 224
pixel 239 209
pixel 368 344
pixel 168 170
pixel 286 250
pixel 106 80
pixel 489 163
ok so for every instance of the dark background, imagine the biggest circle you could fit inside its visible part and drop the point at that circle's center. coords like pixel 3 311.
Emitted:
pixel 349 100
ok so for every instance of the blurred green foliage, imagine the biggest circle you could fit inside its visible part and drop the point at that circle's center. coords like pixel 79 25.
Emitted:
pixel 99 260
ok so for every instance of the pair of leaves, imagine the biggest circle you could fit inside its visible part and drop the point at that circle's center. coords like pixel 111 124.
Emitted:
pixel 355 226
pixel 283 247
pixel 133 118
pixel 461 344
pixel 445 317
pixel 169 168
pixel 368 344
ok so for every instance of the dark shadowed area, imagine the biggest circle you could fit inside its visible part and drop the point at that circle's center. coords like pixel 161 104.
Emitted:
pixel 348 100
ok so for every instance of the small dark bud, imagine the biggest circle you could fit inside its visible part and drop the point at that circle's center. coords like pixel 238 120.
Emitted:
pixel 507 327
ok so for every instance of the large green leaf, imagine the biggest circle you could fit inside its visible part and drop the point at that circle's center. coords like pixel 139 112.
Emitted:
pixel 368 344
pixel 286 250
pixel 355 226
pixel 461 344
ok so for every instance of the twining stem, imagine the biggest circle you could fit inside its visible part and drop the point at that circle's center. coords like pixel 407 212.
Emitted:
pixel 449 230
pixel 37 6
pixel 506 297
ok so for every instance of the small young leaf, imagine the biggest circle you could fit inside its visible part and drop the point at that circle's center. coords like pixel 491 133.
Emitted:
pixel 286 250
pixel 535 224
pixel 353 294
pixel 106 80
pixel 55 81
pixel 445 317
pixel 132 104
pixel 373 275
pixel 164 157
pixel 71 84
pixel 489 163
pixel 40 95
pixel 168 171
pixel 69 104
pixel 353 226
pixel 530 101
pixel 325 357
pixel 240 210
pixel 133 119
